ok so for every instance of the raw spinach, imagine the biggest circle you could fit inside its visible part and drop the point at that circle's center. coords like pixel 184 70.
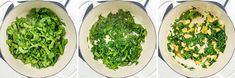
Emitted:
pixel 37 39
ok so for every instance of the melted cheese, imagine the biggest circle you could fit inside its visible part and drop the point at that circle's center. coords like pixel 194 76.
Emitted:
pixel 185 21
pixel 187 36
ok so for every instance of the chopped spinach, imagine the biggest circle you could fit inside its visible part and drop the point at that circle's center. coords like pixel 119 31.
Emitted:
pixel 196 36
pixel 116 39
pixel 37 39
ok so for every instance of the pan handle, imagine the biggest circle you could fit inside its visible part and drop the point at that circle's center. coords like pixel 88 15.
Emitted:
pixel 62 3
pixel 5 7
pixel 144 3
pixel 167 5
pixel 164 8
pixel 141 3
pixel 223 2
pixel 220 3
pixel 89 5
pixel 85 8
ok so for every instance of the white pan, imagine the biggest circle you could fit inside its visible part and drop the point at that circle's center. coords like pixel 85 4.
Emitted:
pixel 28 70
pixel 140 17
pixel 222 60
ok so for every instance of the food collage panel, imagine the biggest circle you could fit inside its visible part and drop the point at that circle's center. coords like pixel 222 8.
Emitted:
pixel 117 39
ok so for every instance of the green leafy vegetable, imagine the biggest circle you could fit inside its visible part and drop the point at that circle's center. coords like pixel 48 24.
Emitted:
pixel 198 38
pixel 116 39
pixel 37 39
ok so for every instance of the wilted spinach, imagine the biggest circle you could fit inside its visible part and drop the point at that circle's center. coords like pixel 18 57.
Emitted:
pixel 197 36
pixel 116 39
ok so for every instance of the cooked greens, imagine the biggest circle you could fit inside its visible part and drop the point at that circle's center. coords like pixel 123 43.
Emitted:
pixel 37 39
pixel 196 39
pixel 116 39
